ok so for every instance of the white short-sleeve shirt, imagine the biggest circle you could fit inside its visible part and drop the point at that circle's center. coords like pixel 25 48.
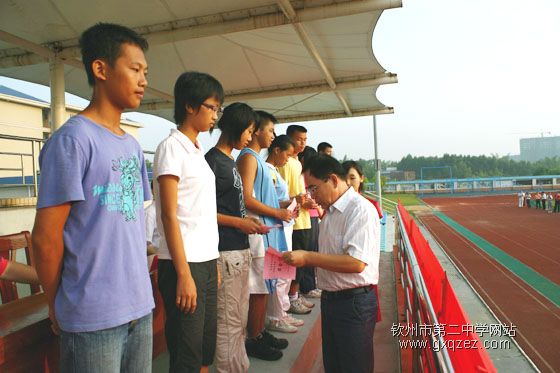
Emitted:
pixel 177 155
pixel 152 231
pixel 350 226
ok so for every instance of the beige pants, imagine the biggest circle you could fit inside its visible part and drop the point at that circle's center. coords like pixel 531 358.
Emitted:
pixel 279 300
pixel 233 306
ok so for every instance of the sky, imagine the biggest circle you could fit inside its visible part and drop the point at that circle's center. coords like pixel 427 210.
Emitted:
pixel 475 76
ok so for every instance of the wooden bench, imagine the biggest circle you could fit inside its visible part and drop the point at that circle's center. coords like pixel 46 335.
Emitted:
pixel 27 343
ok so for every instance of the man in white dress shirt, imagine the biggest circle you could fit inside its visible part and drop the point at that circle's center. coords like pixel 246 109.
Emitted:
pixel 347 267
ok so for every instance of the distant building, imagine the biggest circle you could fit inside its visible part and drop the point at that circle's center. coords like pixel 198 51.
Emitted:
pixel 27 116
pixel 537 148
pixel 24 124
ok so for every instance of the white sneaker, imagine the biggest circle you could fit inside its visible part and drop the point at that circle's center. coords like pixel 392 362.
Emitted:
pixel 281 326
pixel 297 307
pixel 305 302
pixel 293 321
pixel 315 293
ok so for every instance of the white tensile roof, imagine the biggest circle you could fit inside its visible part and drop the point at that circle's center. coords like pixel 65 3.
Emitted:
pixel 300 60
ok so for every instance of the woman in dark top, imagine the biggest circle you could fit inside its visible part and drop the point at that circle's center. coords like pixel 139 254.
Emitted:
pixel 237 126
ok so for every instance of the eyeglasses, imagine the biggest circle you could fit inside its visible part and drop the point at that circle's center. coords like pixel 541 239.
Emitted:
pixel 215 108
pixel 312 189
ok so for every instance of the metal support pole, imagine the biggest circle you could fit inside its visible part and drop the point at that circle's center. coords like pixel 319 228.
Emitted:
pixel 377 164
pixel 34 160
pixel 58 105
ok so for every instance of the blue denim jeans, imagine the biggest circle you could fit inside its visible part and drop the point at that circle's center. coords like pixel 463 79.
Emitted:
pixel 124 348
pixel 347 326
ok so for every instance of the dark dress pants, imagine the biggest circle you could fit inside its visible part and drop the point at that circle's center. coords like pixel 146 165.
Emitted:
pixel 347 326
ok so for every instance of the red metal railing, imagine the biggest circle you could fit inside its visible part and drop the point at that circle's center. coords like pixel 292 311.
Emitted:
pixel 434 313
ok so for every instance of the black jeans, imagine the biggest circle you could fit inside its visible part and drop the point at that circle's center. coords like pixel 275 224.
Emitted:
pixel 307 282
pixel 300 241
pixel 347 325
pixel 191 338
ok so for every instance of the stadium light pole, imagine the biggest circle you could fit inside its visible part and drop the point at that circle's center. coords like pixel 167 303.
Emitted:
pixel 377 163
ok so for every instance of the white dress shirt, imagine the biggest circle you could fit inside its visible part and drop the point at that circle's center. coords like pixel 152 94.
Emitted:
pixel 350 226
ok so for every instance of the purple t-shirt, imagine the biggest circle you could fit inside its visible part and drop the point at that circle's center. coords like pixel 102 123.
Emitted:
pixel 104 281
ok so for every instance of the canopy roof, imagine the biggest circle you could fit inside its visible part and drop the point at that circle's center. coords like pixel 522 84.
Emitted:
pixel 300 60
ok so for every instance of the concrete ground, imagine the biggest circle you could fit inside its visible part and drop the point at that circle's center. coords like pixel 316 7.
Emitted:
pixel 304 352
pixel 291 354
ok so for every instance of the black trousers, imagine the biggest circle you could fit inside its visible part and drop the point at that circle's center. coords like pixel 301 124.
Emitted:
pixel 191 338
pixel 308 282
pixel 306 239
pixel 347 326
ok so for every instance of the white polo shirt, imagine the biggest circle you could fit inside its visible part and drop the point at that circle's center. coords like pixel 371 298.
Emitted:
pixel 350 226
pixel 196 197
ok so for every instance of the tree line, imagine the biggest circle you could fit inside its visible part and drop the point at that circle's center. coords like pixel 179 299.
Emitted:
pixel 462 166
pixel 466 166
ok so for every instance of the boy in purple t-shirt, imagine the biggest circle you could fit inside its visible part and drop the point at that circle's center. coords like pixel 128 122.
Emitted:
pixel 89 228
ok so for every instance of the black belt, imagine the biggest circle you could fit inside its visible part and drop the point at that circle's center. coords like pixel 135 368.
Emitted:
pixel 346 293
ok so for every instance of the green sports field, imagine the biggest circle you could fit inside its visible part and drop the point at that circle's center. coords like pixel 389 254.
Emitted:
pixel 407 199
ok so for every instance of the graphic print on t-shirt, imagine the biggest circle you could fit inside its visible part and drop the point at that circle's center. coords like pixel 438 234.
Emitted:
pixel 238 184
pixel 125 197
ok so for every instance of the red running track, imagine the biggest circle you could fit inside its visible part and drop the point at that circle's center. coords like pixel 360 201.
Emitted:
pixel 531 236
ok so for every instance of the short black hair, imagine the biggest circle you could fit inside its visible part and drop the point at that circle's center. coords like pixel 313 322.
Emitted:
pixel 263 118
pixel 283 142
pixel 323 146
pixel 293 128
pixel 322 166
pixel 236 119
pixel 307 153
pixel 192 88
pixel 103 41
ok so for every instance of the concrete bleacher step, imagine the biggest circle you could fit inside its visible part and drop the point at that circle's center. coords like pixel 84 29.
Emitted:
pixel 303 354
pixel 304 346
pixel 386 348
pixel 300 355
